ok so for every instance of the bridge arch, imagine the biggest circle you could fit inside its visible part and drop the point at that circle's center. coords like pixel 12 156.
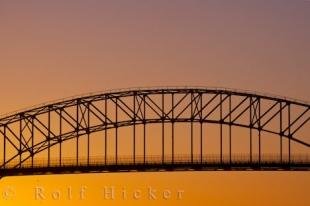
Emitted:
pixel 32 131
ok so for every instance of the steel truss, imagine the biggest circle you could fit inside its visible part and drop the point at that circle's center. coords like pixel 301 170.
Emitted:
pixel 31 132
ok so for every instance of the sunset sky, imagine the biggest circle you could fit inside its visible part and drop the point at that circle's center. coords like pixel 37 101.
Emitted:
pixel 51 49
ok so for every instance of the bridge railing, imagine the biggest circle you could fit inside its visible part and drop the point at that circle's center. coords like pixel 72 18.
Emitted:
pixel 158 160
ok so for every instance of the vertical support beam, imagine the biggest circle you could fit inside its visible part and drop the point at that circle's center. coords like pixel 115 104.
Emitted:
pixel 88 134
pixel 221 128
pixel 259 131
pixel 60 137
pixel 144 129
pixel 77 131
pixel 32 141
pixel 251 133
pixel 192 129
pixel 172 129
pixel 20 140
pixel 49 137
pixel 106 130
pixel 116 131
pixel 134 128
pixel 201 129
pixel 289 133
pixel 230 130
pixel 4 146
pixel 281 130
pixel 163 126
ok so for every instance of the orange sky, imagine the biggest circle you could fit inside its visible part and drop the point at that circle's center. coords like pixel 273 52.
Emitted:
pixel 55 49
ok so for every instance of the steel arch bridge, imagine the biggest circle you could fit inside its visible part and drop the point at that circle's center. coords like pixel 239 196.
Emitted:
pixel 28 138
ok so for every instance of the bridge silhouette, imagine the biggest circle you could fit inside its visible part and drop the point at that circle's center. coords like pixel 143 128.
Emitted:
pixel 182 116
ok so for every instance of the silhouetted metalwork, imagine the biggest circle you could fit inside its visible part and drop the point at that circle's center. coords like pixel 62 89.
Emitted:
pixel 26 134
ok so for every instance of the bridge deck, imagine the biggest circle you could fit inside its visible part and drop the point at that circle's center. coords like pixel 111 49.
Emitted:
pixel 152 164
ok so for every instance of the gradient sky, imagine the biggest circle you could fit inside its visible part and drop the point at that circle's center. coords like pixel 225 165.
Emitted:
pixel 50 49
